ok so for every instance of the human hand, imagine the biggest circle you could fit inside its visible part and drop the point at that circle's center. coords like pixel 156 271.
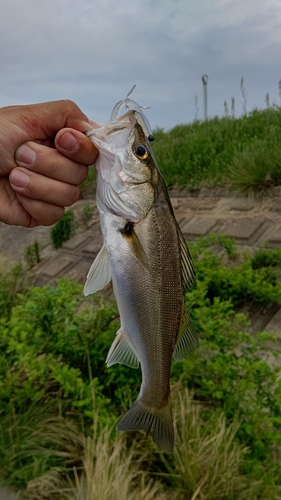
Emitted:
pixel 44 156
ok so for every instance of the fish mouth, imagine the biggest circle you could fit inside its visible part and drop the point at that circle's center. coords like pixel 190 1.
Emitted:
pixel 115 121
pixel 140 116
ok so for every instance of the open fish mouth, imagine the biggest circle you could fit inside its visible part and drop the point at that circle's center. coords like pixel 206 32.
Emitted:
pixel 130 105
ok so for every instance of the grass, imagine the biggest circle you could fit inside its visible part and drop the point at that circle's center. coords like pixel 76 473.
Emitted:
pixel 227 428
pixel 232 152
pixel 63 229
pixel 238 153
pixel 13 282
pixel 208 463
pixel 108 471
pixel 59 403
pixel 258 166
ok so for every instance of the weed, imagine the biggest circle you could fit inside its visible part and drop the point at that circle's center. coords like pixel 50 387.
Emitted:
pixel 264 257
pixel 63 229
pixel 208 463
pixel 53 345
pixel 12 282
pixel 32 255
pixel 88 210
pixel 88 187
pixel 244 95
pixel 98 468
pixel 255 168
pixel 223 151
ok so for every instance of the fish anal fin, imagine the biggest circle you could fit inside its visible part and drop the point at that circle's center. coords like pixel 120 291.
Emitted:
pixel 134 243
pixel 187 339
pixel 121 352
pixel 99 274
pixel 158 423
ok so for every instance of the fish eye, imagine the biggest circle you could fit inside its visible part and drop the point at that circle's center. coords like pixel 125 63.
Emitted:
pixel 141 152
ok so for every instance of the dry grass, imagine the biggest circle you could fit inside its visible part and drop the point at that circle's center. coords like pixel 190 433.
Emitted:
pixel 207 459
pixel 207 463
pixel 257 167
pixel 105 469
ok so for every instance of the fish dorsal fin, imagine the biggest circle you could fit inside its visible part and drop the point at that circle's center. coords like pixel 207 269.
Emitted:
pixel 187 339
pixel 121 352
pixel 134 243
pixel 188 273
pixel 99 274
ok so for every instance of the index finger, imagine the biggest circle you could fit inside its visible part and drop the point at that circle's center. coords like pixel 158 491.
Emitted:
pixel 43 120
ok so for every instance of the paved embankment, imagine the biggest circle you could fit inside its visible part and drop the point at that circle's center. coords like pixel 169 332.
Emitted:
pixel 251 222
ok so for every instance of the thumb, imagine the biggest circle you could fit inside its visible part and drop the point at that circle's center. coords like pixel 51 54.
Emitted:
pixel 76 146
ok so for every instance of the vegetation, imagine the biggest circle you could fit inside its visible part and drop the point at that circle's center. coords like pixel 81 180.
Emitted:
pixel 240 152
pixel 63 229
pixel 59 403
pixel 32 254
pixel 88 211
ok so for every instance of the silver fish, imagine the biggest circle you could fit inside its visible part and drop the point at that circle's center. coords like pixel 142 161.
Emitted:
pixel 146 256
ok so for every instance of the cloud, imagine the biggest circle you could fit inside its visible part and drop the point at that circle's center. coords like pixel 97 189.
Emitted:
pixel 93 52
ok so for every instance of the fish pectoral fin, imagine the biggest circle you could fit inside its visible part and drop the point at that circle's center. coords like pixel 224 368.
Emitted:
pixel 134 243
pixel 157 422
pixel 99 274
pixel 188 273
pixel 121 352
pixel 187 339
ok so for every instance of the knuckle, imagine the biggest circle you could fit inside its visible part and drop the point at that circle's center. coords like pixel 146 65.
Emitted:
pixel 70 103
pixel 83 173
pixel 49 214
pixel 73 195
pixel 70 106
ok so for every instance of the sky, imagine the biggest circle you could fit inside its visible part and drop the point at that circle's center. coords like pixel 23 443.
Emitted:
pixel 93 52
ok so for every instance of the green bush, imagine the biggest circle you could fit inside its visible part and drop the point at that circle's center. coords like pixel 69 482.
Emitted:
pixel 49 349
pixel 63 229
pixel 11 283
pixel 229 370
pixel 54 342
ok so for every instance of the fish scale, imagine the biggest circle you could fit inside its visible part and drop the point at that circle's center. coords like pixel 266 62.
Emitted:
pixel 147 259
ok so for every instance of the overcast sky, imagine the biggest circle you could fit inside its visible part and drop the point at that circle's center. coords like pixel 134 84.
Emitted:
pixel 94 51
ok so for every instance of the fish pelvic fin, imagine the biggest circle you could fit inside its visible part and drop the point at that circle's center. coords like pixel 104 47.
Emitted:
pixel 187 340
pixel 99 274
pixel 121 352
pixel 158 423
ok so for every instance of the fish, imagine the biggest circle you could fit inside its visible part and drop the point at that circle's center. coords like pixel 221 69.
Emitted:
pixel 146 256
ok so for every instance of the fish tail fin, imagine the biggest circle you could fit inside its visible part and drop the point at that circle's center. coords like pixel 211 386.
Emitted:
pixel 157 422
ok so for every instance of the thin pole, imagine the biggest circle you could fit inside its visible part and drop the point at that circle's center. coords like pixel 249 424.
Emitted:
pixel 205 82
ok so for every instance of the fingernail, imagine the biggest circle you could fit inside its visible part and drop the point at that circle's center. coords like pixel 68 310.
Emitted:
pixel 69 142
pixel 25 155
pixel 19 179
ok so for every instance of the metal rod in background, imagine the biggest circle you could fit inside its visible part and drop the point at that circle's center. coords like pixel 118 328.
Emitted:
pixel 205 82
